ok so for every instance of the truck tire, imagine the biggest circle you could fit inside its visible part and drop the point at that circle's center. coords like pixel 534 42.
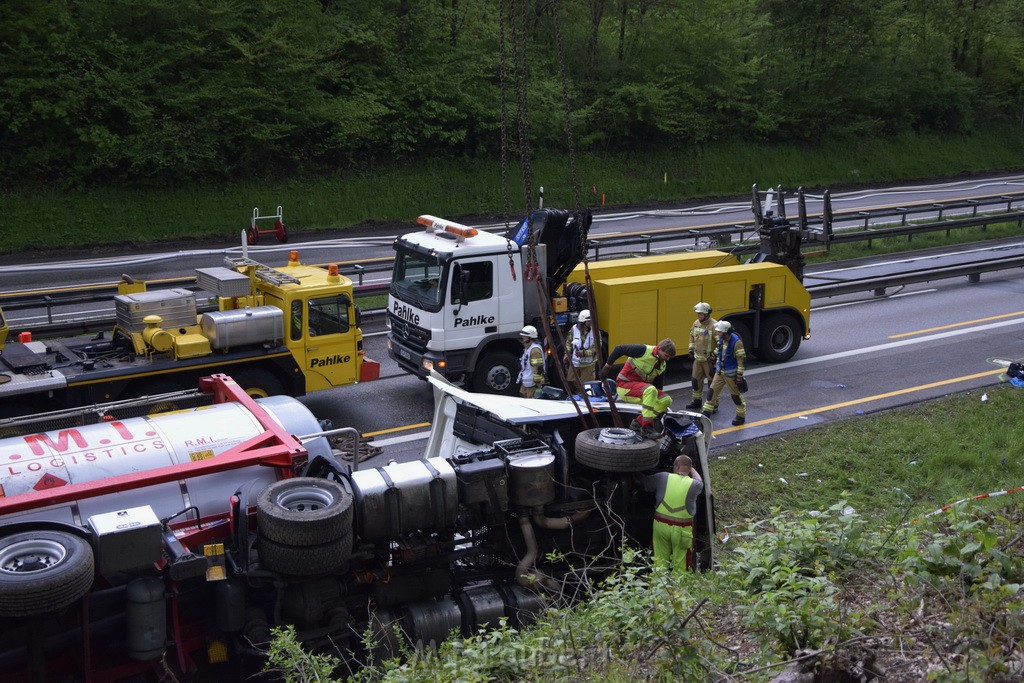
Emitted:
pixel 42 572
pixel 616 450
pixel 258 382
pixel 779 339
pixel 304 511
pixel 307 560
pixel 496 373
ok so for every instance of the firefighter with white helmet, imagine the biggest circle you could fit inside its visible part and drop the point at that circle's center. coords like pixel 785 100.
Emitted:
pixel 531 365
pixel 702 343
pixel 580 353
pixel 728 357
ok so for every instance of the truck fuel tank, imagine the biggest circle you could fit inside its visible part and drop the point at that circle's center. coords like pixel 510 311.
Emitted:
pixel 241 327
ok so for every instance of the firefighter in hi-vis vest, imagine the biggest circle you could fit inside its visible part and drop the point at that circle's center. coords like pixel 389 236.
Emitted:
pixel 635 382
pixel 702 343
pixel 728 357
pixel 676 493
pixel 531 365
pixel 581 355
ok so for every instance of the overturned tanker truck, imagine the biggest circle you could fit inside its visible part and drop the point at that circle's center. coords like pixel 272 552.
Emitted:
pixel 131 546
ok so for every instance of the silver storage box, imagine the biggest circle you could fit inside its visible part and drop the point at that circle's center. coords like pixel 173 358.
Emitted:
pixel 257 325
pixel 176 307
pixel 223 282
pixel 126 539
pixel 397 499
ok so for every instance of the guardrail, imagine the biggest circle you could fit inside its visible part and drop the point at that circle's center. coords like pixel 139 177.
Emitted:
pixel 839 228
pixel 972 270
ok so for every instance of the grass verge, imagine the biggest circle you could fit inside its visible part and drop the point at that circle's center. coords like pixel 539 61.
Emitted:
pixel 399 193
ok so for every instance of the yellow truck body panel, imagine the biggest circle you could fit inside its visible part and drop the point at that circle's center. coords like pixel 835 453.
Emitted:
pixel 646 308
pixel 653 265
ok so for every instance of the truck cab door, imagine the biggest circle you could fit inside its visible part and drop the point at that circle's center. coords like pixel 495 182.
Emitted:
pixel 472 312
pixel 327 327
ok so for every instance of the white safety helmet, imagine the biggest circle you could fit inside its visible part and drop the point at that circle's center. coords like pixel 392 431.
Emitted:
pixel 529 331
pixel 723 326
pixel 702 307
pixel 584 316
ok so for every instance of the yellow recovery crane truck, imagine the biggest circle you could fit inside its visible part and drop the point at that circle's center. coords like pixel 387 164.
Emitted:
pixel 459 297
pixel 288 330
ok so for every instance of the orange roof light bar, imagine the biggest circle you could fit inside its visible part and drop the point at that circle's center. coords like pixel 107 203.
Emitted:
pixel 433 223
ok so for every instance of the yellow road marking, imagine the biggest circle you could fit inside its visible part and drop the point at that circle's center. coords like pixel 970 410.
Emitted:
pixel 392 430
pixel 866 399
pixel 949 327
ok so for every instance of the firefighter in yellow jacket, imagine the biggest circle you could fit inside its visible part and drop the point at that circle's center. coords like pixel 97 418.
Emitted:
pixel 676 492
pixel 702 343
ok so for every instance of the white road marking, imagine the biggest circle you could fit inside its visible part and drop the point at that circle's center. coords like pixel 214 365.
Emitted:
pixel 868 349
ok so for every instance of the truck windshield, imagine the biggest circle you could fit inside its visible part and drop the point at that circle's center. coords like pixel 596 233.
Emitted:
pixel 418 279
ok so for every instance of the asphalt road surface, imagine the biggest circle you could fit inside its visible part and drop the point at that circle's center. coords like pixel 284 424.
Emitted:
pixel 866 353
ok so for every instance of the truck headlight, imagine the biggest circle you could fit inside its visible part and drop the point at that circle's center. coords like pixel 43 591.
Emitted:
pixel 428 365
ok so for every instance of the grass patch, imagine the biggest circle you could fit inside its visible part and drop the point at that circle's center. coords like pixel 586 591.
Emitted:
pixel 908 461
pixel 454 188
pixel 896 245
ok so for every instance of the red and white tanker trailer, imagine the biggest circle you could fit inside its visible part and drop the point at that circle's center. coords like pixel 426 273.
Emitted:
pixel 136 545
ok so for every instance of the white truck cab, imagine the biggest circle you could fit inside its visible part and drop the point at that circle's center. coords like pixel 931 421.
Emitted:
pixel 459 296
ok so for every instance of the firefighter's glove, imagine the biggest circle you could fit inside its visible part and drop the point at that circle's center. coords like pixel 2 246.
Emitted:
pixel 693 356
pixel 741 384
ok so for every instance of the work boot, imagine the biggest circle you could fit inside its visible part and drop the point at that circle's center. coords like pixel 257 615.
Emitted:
pixel 738 421
pixel 654 430
pixel 695 404
pixel 706 413
pixel 636 426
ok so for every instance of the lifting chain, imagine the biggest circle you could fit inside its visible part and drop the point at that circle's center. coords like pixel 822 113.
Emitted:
pixel 587 417
pixel 503 9
pixel 566 114
pixel 519 45
pixel 519 57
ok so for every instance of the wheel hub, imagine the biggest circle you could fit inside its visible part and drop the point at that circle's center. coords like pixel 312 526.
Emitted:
pixel 31 556
pixel 498 378
pixel 304 500
pixel 619 435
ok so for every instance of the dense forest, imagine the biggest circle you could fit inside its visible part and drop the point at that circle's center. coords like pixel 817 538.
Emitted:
pixel 155 93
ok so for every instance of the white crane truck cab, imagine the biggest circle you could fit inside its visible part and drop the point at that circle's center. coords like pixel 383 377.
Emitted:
pixel 459 296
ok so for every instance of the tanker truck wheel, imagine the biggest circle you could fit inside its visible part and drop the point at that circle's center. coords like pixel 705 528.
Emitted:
pixel 615 449
pixel 42 572
pixel 304 511
pixel 307 560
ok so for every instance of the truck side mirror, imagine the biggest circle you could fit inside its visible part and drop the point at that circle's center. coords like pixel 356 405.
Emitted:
pixel 460 289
